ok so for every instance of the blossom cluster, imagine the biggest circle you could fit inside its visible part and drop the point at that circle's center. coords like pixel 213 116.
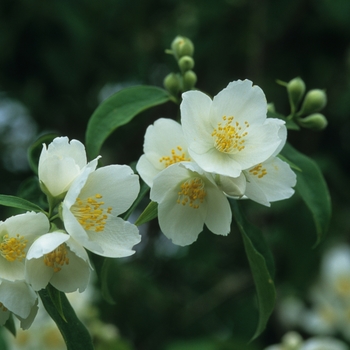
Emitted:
pixel 224 147
pixel 86 202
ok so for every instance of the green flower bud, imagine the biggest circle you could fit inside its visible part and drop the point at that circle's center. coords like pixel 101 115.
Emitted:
pixel 186 63
pixel 296 91
pixel 314 121
pixel 189 80
pixel 182 46
pixel 314 101
pixel 172 83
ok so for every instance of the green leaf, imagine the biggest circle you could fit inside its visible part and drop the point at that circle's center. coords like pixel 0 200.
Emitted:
pixel 55 296
pixel 312 188
pixel 104 278
pixel 73 331
pixel 118 110
pixel 10 325
pixel 150 212
pixel 261 265
pixel 34 150
pixel 19 203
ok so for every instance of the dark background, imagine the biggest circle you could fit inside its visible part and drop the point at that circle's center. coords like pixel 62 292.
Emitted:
pixel 59 59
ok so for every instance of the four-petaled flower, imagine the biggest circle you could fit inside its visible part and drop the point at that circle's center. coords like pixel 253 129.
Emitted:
pixel 91 207
pixel 57 259
pixel 231 132
pixel 187 199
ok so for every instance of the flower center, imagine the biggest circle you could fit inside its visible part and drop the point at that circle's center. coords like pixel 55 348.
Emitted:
pixel 192 192
pixel 12 248
pixel 229 136
pixel 90 213
pixel 174 158
pixel 57 258
pixel 258 171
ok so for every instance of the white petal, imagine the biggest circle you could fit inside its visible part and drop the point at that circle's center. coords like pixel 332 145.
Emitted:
pixel 232 186
pixel 275 185
pixel 46 244
pixel 25 323
pixel 242 101
pixel 116 240
pixel 79 183
pixel 147 170
pixel 182 224
pixel 195 108
pixel 118 185
pixel 18 297
pixel 72 277
pixel 219 215
pixel 261 143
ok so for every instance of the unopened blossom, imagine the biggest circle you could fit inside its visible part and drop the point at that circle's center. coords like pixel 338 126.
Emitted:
pixel 17 233
pixel 59 164
pixel 19 298
pixel 57 259
pixel 92 205
pixel 164 145
pixel 188 198
pixel 231 132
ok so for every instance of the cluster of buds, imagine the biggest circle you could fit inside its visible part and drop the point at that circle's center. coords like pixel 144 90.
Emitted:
pixel 313 101
pixel 182 49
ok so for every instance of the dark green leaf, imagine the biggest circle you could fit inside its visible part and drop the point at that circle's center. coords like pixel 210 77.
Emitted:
pixel 150 212
pixel 261 265
pixel 73 331
pixel 312 188
pixel 55 296
pixel 35 149
pixel 17 202
pixel 118 110
pixel 104 278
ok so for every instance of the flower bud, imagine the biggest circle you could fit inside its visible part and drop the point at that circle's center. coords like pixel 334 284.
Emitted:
pixel 189 80
pixel 314 121
pixel 296 91
pixel 186 63
pixel 172 83
pixel 182 46
pixel 314 101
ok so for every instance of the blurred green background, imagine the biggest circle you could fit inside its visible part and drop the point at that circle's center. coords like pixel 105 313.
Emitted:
pixel 59 59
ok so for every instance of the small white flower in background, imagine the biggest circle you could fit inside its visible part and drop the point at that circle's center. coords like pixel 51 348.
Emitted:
pixel 57 259
pixel 20 299
pixel 231 132
pixel 164 145
pixel 91 207
pixel 59 164
pixel 293 341
pixel 187 199
pixel 17 233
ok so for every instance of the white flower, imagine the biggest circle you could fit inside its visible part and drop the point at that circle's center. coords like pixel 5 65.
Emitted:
pixel 57 259
pixel 187 199
pixel 91 207
pixel 164 145
pixel 16 235
pixel 60 163
pixel 229 133
pixel 20 299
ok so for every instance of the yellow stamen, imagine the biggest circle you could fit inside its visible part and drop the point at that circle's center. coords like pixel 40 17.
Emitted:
pixel 230 138
pixel 57 258
pixel 258 171
pixel 192 192
pixel 91 213
pixel 13 248
pixel 174 157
